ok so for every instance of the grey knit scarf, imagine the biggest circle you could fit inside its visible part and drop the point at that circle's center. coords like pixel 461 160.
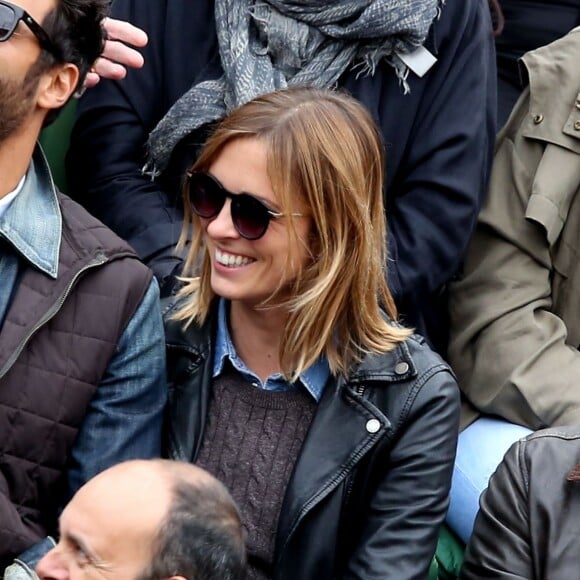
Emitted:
pixel 271 44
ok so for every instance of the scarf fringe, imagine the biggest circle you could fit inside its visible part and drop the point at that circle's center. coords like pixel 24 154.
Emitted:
pixel 270 44
pixel 150 170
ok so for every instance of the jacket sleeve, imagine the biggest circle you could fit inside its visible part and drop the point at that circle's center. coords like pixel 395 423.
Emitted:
pixel 24 566
pixel 124 418
pixel 438 188
pixel 500 546
pixel 410 502
pixel 508 348
pixel 107 149
pixel 16 532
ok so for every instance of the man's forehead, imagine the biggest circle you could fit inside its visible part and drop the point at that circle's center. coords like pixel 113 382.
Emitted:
pixel 120 500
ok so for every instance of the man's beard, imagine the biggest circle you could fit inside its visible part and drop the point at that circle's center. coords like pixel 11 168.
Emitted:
pixel 16 103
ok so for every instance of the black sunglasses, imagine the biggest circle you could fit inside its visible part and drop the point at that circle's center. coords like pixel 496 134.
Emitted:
pixel 11 15
pixel 250 216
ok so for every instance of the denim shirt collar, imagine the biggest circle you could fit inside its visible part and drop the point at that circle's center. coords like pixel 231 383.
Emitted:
pixel 33 222
pixel 313 378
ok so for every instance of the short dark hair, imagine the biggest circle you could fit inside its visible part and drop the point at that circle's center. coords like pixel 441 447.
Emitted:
pixel 201 537
pixel 75 28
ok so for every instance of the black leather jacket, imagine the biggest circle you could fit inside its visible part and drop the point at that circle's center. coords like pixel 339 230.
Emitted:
pixel 369 488
pixel 528 527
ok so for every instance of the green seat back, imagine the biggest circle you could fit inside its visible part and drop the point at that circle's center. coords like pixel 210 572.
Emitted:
pixel 448 557
pixel 55 140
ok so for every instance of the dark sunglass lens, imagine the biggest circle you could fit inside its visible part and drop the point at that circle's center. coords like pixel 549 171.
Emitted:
pixel 250 216
pixel 7 18
pixel 206 196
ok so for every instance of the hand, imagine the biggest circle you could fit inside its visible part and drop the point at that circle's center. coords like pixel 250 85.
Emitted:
pixel 117 55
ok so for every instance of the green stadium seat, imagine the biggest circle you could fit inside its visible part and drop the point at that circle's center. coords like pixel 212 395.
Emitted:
pixel 448 557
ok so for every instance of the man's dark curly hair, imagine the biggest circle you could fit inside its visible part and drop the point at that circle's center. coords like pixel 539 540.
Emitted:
pixel 75 29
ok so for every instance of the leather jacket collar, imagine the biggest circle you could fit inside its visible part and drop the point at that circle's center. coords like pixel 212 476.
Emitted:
pixel 347 419
pixel 357 426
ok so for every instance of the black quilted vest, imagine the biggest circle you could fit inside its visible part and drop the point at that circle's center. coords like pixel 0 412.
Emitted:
pixel 55 345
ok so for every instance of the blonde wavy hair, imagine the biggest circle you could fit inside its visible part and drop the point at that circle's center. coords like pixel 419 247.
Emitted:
pixel 325 147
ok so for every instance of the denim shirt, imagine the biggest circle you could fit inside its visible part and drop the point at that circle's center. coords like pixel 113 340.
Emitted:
pixel 313 378
pixel 124 418
pixel 8 263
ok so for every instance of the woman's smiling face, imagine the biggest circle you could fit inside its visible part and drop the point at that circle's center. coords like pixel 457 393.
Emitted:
pixel 249 271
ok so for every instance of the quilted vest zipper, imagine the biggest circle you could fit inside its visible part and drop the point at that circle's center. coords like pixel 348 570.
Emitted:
pixel 99 260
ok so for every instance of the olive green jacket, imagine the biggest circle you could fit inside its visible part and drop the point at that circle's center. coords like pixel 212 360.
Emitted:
pixel 515 312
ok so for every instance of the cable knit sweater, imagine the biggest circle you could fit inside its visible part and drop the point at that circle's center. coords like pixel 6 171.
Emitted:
pixel 251 443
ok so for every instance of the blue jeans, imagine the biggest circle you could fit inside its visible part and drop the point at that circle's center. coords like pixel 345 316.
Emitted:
pixel 480 449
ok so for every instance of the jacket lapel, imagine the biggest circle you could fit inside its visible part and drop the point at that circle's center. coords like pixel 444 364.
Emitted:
pixel 342 423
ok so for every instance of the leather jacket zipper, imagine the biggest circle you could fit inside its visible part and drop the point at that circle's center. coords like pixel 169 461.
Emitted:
pixel 99 260
pixel 359 390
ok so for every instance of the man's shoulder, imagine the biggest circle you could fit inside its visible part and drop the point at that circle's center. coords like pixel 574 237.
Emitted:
pixel 554 451
pixel 552 106
pixel 553 436
pixel 85 239
pixel 89 235
pixel 459 19
pixel 556 56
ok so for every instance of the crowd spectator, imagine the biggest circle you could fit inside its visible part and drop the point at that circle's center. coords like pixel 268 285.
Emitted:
pixel 146 520
pixel 333 428
pixel 82 358
pixel 528 527
pixel 514 311
pixel 439 128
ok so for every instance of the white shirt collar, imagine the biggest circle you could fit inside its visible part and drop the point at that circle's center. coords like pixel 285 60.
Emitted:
pixel 9 197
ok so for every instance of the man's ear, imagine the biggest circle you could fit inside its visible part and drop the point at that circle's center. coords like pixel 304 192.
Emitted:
pixel 57 85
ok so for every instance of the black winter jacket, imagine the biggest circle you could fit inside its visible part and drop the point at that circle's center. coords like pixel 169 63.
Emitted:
pixel 528 527
pixel 369 488
pixel 439 142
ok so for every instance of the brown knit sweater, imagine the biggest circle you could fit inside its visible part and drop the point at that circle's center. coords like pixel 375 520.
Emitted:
pixel 251 443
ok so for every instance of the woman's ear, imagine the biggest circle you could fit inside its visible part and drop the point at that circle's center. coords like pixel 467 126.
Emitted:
pixel 57 85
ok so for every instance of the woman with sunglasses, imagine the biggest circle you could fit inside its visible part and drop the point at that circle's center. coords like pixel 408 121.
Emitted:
pixel 290 379
pixel 204 56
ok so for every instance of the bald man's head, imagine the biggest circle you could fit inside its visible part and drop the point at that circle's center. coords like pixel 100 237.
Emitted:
pixel 149 520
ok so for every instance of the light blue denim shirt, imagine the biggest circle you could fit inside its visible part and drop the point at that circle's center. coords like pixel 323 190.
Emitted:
pixel 8 263
pixel 313 379
pixel 125 415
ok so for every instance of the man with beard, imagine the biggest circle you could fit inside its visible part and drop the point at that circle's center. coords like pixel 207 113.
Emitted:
pixel 81 340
